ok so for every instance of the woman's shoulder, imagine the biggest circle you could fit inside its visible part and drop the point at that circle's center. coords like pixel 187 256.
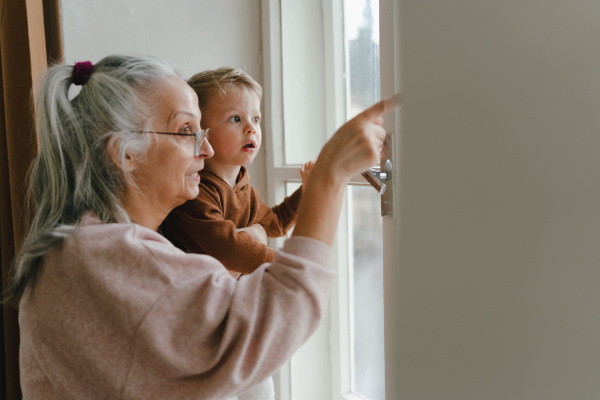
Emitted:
pixel 115 245
pixel 91 227
pixel 97 236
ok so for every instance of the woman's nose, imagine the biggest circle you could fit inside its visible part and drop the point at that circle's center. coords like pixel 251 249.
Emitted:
pixel 206 149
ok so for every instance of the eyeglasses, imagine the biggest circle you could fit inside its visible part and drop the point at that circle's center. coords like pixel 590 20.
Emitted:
pixel 199 138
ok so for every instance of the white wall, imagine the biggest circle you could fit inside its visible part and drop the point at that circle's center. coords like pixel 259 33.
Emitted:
pixel 192 34
pixel 497 285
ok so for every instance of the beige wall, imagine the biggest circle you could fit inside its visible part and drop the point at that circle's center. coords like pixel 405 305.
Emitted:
pixel 496 286
pixel 193 34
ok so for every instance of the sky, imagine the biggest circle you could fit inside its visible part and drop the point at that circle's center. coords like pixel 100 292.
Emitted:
pixel 354 17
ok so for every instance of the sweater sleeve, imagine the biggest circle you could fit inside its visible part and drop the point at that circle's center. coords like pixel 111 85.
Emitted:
pixel 121 313
pixel 216 337
pixel 198 226
pixel 278 220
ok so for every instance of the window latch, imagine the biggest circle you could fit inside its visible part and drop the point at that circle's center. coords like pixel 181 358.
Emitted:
pixel 380 176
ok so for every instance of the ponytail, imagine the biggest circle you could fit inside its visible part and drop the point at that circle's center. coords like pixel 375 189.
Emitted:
pixel 73 172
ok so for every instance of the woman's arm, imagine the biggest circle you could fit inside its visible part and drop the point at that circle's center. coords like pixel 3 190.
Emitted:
pixel 353 149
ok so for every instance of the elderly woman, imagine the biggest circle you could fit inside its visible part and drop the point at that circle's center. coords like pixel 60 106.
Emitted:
pixel 109 309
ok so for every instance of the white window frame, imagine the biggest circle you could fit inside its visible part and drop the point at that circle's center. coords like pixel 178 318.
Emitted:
pixel 322 368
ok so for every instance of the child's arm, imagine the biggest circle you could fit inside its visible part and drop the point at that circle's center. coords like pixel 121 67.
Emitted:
pixel 278 220
pixel 199 226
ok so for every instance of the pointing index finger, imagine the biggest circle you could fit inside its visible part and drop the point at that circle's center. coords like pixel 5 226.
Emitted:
pixel 382 107
pixel 393 101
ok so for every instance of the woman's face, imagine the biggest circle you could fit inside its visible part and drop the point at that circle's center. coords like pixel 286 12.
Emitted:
pixel 168 175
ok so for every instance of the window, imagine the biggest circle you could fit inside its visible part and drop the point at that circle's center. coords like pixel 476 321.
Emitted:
pixel 366 242
pixel 322 67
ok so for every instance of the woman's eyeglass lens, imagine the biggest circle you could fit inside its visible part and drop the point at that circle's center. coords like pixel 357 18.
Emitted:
pixel 198 136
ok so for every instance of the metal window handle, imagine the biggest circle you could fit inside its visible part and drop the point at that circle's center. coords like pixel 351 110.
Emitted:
pixel 380 177
pixel 377 178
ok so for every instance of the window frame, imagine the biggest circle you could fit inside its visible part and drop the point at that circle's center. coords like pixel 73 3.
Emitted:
pixel 334 334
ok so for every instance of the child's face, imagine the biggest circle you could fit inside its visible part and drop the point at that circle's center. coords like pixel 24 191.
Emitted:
pixel 234 123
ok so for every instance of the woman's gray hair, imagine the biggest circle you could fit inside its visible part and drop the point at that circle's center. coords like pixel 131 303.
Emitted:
pixel 73 171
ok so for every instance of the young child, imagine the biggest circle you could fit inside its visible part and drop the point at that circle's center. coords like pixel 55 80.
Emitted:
pixel 228 220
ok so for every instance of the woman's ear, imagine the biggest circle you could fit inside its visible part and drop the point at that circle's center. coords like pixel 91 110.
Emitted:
pixel 127 163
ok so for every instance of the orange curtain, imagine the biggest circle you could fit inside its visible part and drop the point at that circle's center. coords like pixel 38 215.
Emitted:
pixel 29 39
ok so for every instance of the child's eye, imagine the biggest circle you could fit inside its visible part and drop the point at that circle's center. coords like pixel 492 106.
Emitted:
pixel 256 120
pixel 235 119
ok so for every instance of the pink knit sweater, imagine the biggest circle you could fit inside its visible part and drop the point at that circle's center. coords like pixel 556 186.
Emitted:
pixel 120 313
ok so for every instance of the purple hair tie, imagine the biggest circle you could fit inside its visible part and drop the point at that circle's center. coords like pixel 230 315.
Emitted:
pixel 82 72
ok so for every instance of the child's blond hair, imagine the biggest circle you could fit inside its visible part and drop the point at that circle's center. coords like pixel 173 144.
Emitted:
pixel 209 83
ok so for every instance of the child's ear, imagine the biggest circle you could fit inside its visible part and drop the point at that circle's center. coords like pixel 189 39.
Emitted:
pixel 128 164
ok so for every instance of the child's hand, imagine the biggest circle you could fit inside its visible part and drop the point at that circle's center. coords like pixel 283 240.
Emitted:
pixel 305 171
pixel 235 274
pixel 257 232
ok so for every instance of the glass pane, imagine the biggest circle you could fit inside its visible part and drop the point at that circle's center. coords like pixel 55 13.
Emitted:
pixel 301 44
pixel 362 43
pixel 367 257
